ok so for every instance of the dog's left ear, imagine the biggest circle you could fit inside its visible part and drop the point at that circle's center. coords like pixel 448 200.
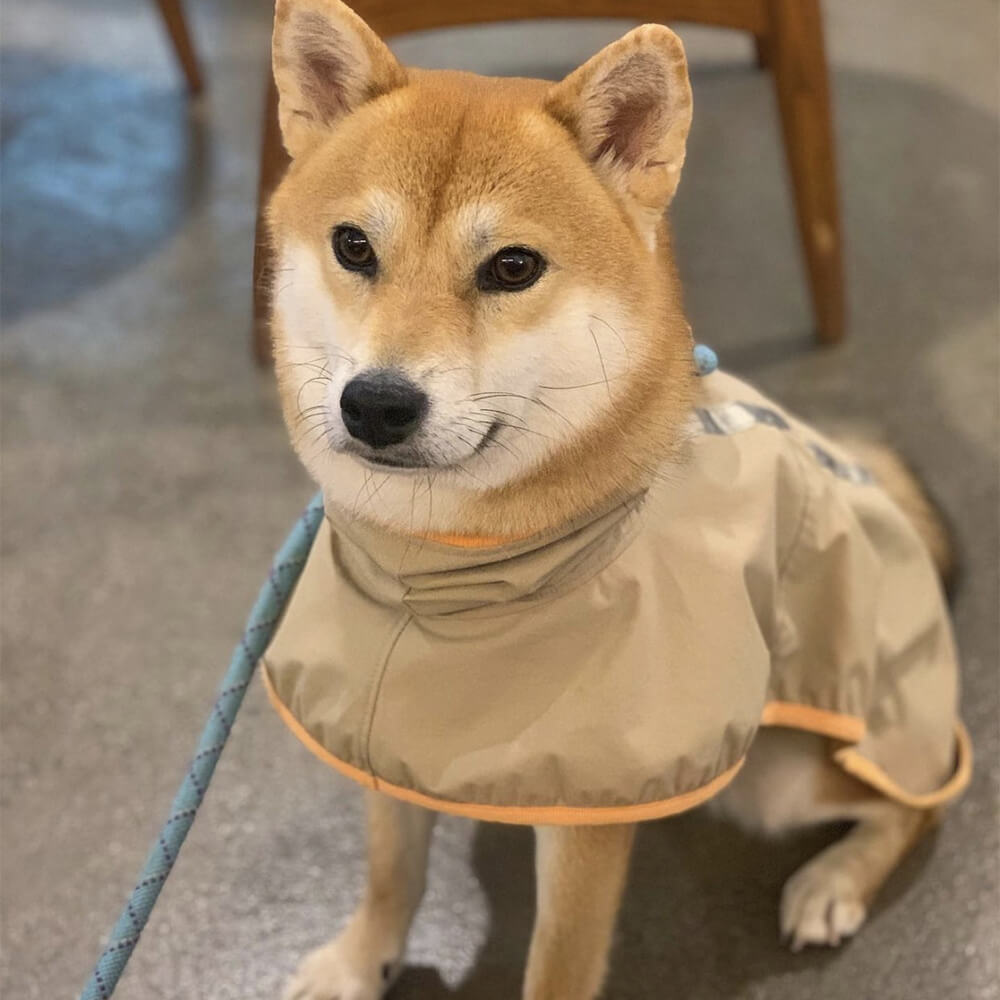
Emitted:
pixel 629 109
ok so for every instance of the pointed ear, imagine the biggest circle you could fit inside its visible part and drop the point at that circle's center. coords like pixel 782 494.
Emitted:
pixel 327 63
pixel 629 109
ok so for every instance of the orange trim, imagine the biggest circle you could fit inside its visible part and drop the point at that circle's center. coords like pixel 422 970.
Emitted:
pixel 348 770
pixel 848 728
pixel 524 815
pixel 864 770
pixel 570 815
pixel 472 541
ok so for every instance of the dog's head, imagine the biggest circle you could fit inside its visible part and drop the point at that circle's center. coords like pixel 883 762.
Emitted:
pixel 473 285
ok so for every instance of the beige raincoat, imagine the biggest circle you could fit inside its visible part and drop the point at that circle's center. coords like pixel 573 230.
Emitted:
pixel 619 670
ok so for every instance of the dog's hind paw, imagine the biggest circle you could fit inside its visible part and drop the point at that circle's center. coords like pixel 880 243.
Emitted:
pixel 341 970
pixel 820 905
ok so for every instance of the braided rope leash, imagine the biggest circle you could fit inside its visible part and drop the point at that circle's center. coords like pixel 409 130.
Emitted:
pixel 257 635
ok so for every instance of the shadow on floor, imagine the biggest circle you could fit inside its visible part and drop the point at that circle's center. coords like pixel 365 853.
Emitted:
pixel 98 170
pixel 700 913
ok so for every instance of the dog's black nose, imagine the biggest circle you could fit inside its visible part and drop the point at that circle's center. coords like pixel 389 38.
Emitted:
pixel 382 408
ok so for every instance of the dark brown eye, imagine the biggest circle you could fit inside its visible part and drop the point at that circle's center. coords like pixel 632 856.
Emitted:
pixel 510 270
pixel 353 251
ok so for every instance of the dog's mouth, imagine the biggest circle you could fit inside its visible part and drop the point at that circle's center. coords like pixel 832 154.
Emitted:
pixel 411 459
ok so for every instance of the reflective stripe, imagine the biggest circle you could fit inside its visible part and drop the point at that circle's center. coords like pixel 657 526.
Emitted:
pixel 733 417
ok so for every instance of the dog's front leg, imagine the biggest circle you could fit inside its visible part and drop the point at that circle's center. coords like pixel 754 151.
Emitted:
pixel 581 873
pixel 365 959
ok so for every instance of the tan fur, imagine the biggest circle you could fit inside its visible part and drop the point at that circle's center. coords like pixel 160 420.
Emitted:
pixel 580 875
pixel 589 370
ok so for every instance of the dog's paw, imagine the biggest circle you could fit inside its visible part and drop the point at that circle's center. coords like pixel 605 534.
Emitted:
pixel 342 970
pixel 820 905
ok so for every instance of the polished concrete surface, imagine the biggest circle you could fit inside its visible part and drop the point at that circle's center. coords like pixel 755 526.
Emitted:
pixel 146 480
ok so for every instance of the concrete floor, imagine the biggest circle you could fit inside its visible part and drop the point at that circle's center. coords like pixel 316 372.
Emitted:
pixel 146 481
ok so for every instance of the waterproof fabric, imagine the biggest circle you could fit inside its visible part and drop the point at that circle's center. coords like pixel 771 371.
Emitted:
pixel 620 670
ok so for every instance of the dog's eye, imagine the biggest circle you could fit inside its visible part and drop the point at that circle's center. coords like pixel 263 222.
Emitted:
pixel 353 251
pixel 510 270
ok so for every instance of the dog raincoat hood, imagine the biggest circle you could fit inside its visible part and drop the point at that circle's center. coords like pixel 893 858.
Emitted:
pixel 619 670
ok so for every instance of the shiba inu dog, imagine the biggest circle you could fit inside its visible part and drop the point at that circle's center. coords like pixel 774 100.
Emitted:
pixel 484 362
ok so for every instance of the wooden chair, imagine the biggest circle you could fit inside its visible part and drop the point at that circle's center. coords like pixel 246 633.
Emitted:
pixel 789 39
pixel 176 24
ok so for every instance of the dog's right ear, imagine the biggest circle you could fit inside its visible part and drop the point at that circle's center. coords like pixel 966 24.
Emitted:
pixel 327 63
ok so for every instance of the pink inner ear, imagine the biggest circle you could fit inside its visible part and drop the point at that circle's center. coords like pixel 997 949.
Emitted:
pixel 632 101
pixel 325 63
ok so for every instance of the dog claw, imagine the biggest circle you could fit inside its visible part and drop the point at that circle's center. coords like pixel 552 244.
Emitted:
pixel 820 907
pixel 346 966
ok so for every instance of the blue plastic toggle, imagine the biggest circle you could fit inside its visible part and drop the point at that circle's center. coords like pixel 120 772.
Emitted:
pixel 705 359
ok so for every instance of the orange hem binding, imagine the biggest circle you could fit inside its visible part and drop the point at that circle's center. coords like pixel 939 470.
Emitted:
pixel 523 815
pixel 847 728
pixel 871 774
pixel 851 729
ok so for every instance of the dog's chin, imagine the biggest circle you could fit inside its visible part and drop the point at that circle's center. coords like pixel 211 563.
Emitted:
pixel 410 459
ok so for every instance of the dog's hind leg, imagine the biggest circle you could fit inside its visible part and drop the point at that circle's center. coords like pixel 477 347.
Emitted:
pixel 365 959
pixel 580 873
pixel 827 899
pixel 789 782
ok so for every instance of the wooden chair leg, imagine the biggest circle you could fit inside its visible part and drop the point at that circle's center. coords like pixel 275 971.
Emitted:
pixel 176 24
pixel 760 43
pixel 798 61
pixel 273 163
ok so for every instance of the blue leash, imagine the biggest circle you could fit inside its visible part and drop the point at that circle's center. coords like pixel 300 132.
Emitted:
pixel 260 627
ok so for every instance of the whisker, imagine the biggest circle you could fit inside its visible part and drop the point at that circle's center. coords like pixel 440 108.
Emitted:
pixel 306 384
pixel 516 395
pixel 583 385
pixel 447 371
pixel 317 409
pixel 494 441
pixel 364 483
pixel 378 489
pixel 501 413
pixel 621 339
pixel 459 467
pixel 600 357
pixel 430 508
pixel 512 427
pixel 314 365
